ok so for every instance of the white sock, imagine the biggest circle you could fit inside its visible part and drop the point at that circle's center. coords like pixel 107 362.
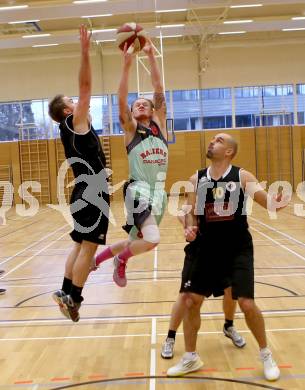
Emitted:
pixel 190 355
pixel 264 351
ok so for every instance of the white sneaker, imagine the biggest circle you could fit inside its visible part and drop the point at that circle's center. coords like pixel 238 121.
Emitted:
pixel 167 351
pixel 185 366
pixel 271 370
pixel 236 338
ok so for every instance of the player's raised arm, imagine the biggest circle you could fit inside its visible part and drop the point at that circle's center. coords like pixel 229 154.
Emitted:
pixel 159 95
pixel 126 120
pixel 81 111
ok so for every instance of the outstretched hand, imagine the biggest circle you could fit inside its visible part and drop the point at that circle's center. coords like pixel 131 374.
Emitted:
pixel 148 47
pixel 85 37
pixel 128 54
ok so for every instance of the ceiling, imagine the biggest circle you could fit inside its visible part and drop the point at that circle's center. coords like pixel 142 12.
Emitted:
pixel 201 20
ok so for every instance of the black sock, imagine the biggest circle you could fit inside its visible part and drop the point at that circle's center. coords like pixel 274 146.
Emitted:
pixel 66 285
pixel 76 293
pixel 171 334
pixel 228 323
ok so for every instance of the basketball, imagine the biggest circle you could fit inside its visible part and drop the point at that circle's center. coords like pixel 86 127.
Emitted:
pixel 132 34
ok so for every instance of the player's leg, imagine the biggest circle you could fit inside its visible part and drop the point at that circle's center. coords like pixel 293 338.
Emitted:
pixel 229 309
pixel 81 269
pixel 150 237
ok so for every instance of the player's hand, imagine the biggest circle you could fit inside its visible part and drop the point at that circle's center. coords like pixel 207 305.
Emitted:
pixel 128 54
pixel 85 37
pixel 148 47
pixel 278 201
pixel 190 233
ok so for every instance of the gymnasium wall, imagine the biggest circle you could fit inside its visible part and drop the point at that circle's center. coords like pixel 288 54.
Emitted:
pixel 42 75
pixel 185 157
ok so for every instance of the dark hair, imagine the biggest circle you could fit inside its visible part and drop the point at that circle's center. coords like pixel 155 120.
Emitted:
pixel 152 106
pixel 56 108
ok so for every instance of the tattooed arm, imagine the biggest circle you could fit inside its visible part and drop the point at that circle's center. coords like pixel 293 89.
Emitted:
pixel 159 97
pixel 126 120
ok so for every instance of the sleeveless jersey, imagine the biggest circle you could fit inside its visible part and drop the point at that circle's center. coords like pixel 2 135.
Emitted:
pixel 148 155
pixel 221 206
pixel 83 146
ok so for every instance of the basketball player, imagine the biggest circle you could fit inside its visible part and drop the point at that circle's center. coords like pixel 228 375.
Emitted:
pixel 224 254
pixel 83 148
pixel 178 310
pixel 144 125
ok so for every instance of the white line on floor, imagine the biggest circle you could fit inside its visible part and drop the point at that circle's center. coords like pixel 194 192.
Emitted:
pixel 156 263
pixel 30 246
pixel 31 257
pixel 279 244
pixel 152 382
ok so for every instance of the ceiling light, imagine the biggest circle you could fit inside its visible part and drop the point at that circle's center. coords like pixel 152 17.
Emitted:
pixel 96 16
pixel 105 40
pixel 299 18
pixel 293 29
pixel 104 30
pixel 170 36
pixel 13 7
pixel 231 32
pixel 246 5
pixel 36 35
pixel 238 21
pixel 171 10
pixel 88 1
pixel 171 25
pixel 46 45
pixel 24 21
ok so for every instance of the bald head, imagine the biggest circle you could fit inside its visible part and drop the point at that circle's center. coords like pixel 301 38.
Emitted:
pixel 222 146
pixel 232 144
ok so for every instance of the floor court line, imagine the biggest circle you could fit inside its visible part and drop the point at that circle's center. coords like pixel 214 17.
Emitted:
pixel 32 257
pixel 173 279
pixel 145 335
pixel 278 231
pixel 135 318
pixel 30 246
pixel 279 244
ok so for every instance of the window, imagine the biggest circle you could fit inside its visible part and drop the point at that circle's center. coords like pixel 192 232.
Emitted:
pixel 99 115
pixel 216 108
pixel 34 124
pixel 187 110
pixel 10 115
pixel 301 103
pixel 270 105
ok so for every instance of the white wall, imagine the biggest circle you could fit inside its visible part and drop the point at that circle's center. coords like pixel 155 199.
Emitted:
pixel 39 75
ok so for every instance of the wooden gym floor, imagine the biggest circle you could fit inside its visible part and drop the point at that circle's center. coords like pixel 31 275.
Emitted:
pixel 117 342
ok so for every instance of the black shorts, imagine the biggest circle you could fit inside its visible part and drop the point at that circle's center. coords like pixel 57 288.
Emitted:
pixel 90 222
pixel 240 274
pixel 209 270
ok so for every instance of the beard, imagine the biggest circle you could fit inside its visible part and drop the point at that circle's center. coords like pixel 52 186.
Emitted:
pixel 209 154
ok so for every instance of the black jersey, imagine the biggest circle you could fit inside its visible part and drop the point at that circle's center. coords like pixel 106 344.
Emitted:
pixel 221 206
pixel 83 146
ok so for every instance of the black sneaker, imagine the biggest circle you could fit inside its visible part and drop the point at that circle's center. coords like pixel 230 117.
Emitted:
pixel 58 297
pixel 71 307
pixel 2 291
pixel 2 272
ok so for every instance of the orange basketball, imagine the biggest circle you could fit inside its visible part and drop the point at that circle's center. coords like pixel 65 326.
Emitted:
pixel 132 34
